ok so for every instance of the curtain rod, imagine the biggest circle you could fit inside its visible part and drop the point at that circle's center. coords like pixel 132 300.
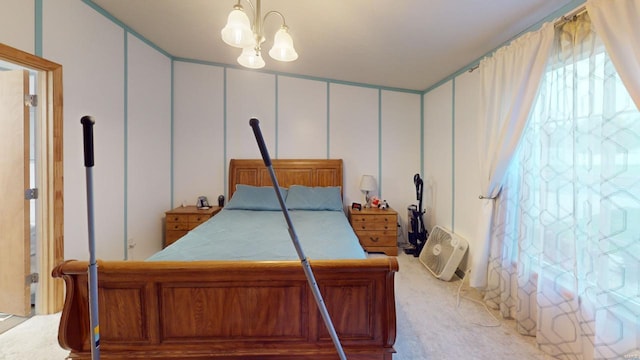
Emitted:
pixel 570 16
pixel 564 19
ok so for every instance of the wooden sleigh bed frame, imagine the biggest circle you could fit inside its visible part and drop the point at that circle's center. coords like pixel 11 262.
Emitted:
pixel 235 309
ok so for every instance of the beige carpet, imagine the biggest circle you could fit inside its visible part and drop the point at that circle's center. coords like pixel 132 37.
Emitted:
pixel 34 339
pixel 430 326
pixel 8 321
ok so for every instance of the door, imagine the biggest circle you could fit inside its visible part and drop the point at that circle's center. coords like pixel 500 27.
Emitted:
pixel 15 294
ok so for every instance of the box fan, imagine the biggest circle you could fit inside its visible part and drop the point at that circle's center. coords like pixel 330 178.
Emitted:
pixel 443 252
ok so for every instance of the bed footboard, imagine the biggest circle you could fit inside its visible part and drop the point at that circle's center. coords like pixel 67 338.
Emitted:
pixel 231 309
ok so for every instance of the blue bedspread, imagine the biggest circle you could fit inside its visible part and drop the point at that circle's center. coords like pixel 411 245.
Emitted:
pixel 263 235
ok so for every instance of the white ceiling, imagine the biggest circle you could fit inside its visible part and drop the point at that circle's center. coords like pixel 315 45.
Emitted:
pixel 407 44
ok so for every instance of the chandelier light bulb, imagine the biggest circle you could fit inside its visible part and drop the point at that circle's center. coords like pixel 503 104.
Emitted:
pixel 251 58
pixel 237 32
pixel 283 49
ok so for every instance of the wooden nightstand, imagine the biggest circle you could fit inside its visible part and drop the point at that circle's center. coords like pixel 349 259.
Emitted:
pixel 182 219
pixel 376 229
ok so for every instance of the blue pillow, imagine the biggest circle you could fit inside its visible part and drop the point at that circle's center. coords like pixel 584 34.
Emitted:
pixel 314 198
pixel 247 197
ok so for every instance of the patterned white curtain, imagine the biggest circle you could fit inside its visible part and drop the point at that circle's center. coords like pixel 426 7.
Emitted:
pixel 565 251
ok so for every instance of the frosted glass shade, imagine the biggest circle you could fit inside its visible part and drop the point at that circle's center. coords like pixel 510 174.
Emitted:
pixel 368 183
pixel 251 58
pixel 237 32
pixel 282 49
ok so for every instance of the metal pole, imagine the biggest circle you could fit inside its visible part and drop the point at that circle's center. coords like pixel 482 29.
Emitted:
pixel 94 336
pixel 255 124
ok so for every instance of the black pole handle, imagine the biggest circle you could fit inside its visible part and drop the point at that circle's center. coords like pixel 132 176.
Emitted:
pixel 87 131
pixel 255 124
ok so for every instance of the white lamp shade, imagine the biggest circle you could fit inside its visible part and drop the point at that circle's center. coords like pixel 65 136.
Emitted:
pixel 251 58
pixel 368 183
pixel 282 49
pixel 237 32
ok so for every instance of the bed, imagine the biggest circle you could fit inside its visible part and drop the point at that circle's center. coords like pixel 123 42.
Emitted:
pixel 236 309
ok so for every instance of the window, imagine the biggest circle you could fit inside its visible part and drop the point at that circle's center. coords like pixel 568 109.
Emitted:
pixel 578 174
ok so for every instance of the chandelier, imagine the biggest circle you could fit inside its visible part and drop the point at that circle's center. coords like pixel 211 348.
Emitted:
pixel 241 33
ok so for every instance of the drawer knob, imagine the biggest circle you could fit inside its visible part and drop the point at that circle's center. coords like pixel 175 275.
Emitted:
pixel 374 239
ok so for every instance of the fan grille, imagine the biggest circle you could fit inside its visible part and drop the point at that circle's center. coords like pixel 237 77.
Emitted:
pixel 442 253
pixel 438 250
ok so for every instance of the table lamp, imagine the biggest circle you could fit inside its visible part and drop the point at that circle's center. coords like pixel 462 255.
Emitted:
pixel 367 184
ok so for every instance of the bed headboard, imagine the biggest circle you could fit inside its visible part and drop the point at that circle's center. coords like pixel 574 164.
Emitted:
pixel 309 172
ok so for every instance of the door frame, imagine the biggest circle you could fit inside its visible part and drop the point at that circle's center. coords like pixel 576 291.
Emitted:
pixel 50 291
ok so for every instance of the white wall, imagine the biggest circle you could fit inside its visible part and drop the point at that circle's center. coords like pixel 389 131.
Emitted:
pixel 400 151
pixel 199 162
pixel 91 51
pixel 250 94
pixel 451 157
pixel 466 204
pixel 438 156
pixel 148 147
pixel 17 24
pixel 353 135
pixel 132 110
pixel 302 118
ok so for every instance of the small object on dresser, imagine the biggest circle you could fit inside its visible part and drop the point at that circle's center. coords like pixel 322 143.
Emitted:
pixel 356 206
pixel 221 201
pixel 384 205
pixel 202 203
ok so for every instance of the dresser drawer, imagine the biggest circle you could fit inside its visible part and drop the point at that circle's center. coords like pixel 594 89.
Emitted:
pixel 178 226
pixel 376 238
pixel 177 218
pixel 199 218
pixel 373 222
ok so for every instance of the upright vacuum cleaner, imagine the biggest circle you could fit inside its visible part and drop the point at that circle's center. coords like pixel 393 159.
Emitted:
pixel 255 124
pixel 94 336
pixel 417 231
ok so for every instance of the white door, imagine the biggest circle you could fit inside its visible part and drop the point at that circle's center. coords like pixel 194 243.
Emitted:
pixel 15 294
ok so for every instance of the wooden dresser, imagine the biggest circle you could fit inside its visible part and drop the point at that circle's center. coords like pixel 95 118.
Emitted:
pixel 376 229
pixel 182 219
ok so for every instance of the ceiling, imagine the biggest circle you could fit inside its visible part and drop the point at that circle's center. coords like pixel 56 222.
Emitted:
pixel 406 44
